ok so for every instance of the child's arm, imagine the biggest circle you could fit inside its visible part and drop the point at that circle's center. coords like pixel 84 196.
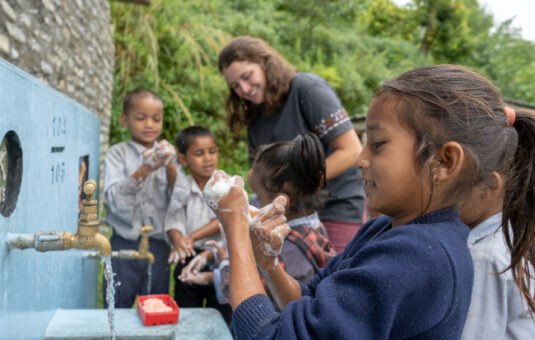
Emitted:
pixel 207 230
pixel 142 172
pixel 170 172
pixel 267 237
pixel 232 209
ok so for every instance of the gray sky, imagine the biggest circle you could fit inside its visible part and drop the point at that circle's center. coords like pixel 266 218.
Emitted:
pixel 523 12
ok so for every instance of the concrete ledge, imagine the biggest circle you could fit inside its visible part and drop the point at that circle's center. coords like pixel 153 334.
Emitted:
pixel 193 323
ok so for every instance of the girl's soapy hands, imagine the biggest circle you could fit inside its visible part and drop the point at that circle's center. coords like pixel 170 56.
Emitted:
pixel 226 196
pixel 268 231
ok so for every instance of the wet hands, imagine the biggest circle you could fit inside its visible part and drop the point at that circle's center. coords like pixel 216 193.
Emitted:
pixel 162 154
pixel 193 268
pixel 226 196
pixel 192 272
pixel 183 248
pixel 268 231
pixel 220 252
pixel 203 278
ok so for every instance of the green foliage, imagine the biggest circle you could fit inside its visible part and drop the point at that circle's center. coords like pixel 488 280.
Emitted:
pixel 172 47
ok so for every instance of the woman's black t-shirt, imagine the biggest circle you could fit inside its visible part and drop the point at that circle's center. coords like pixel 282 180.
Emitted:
pixel 313 106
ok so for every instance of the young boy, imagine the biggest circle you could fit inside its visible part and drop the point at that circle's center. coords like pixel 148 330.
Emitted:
pixel 190 222
pixel 139 176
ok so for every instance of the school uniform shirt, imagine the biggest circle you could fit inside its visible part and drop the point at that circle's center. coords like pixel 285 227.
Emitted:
pixel 131 204
pixel 496 311
pixel 412 281
pixel 189 214
pixel 313 106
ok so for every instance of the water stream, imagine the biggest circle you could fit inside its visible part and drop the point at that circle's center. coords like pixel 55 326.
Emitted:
pixel 110 294
pixel 149 274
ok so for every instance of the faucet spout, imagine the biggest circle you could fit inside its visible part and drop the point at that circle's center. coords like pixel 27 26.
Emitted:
pixel 86 237
pixel 77 241
pixel 141 254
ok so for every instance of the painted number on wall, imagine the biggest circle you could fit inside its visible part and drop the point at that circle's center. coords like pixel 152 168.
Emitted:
pixel 59 131
pixel 57 172
pixel 59 126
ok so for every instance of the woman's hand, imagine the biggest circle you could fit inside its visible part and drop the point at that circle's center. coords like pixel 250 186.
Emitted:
pixel 268 231
pixel 183 248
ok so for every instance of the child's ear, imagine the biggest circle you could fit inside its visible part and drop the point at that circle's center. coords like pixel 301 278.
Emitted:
pixel 182 159
pixel 451 157
pixel 124 121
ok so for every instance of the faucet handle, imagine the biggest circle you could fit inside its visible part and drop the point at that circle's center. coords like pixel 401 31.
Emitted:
pixel 146 230
pixel 144 242
pixel 89 213
pixel 89 188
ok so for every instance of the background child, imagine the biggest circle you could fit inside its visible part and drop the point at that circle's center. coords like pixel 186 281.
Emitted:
pixel 496 310
pixel 138 178
pixel 434 133
pixel 190 222
pixel 296 169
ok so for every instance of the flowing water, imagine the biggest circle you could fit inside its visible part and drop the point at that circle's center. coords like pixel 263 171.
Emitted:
pixel 149 274
pixel 110 294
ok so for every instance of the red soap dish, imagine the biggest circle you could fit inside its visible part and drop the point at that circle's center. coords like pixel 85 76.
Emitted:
pixel 152 319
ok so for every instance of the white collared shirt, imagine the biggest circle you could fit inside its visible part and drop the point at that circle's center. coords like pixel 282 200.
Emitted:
pixel 496 309
pixel 189 213
pixel 131 205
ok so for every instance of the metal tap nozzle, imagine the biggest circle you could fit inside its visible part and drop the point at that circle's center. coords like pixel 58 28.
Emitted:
pixel 86 237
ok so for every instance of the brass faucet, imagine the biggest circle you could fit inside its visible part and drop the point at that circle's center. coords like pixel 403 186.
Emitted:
pixel 86 237
pixel 141 254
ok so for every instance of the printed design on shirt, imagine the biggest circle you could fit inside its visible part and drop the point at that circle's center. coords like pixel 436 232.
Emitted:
pixel 331 122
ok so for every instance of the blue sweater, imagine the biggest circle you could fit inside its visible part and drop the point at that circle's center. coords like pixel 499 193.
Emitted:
pixel 413 281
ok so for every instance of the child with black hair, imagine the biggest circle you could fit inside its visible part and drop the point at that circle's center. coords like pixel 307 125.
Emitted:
pixel 496 310
pixel 190 222
pixel 295 169
pixel 139 176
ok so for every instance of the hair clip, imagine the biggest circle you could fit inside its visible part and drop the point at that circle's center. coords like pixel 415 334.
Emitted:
pixel 510 115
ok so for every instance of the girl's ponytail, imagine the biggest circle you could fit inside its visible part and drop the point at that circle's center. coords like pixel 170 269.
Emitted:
pixel 307 163
pixel 519 207
pixel 296 168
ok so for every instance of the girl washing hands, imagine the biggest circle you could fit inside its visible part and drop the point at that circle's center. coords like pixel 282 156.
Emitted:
pixel 433 133
pixel 297 170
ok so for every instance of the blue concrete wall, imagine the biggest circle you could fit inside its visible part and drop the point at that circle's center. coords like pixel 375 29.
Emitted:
pixel 34 284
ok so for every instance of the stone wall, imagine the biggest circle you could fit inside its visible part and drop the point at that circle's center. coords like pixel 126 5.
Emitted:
pixel 68 44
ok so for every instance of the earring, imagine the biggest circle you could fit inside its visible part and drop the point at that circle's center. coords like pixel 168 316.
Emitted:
pixel 363 164
pixel 435 179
